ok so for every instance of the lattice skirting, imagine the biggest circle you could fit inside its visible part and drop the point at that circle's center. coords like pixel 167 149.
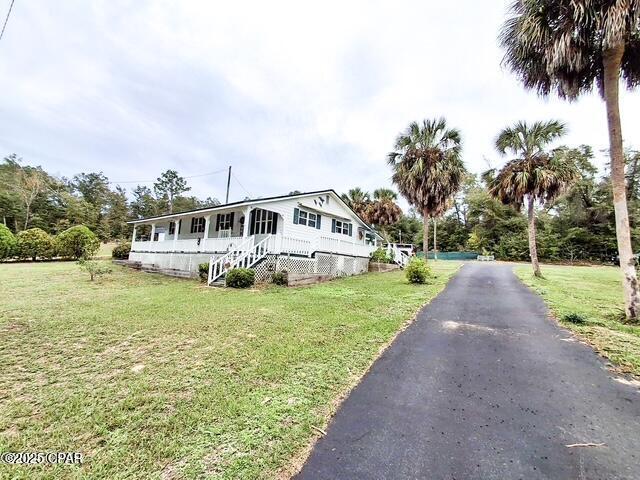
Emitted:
pixel 325 264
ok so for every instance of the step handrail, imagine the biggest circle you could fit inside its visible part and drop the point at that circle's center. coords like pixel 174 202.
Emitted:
pixel 216 266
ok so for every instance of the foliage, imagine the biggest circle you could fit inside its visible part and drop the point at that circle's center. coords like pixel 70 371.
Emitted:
pixel 280 278
pixel 121 251
pixel 7 242
pixel 417 271
pixel 240 278
pixel 203 271
pixel 34 243
pixel 169 186
pixel 77 242
pixel 380 255
pixel 575 318
pixel 358 200
pixel 94 268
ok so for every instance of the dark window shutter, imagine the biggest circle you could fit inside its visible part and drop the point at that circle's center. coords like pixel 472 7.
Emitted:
pixel 296 215
pixel 274 225
pixel 179 226
pixel 233 214
pixel 333 225
pixel 252 224
pixel 350 230
pixel 193 224
pixel 318 222
pixel 217 222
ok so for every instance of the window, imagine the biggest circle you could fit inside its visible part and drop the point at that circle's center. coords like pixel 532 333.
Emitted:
pixel 197 225
pixel 172 228
pixel 302 217
pixel 338 226
pixel 263 222
pixel 224 221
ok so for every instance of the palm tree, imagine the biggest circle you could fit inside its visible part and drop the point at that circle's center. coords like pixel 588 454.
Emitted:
pixel 568 46
pixel 533 175
pixel 383 211
pixel 358 200
pixel 427 167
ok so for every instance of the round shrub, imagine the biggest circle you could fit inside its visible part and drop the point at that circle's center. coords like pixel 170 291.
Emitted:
pixel 77 242
pixel 34 243
pixel 121 251
pixel 381 256
pixel 280 278
pixel 417 271
pixel 203 271
pixel 575 318
pixel 240 278
pixel 7 242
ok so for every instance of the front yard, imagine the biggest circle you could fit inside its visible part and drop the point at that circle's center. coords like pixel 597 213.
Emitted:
pixel 150 376
pixel 595 293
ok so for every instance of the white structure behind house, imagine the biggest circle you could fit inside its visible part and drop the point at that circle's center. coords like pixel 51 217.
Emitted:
pixel 312 232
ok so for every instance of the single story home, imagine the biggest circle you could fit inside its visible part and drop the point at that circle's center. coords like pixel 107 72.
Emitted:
pixel 314 233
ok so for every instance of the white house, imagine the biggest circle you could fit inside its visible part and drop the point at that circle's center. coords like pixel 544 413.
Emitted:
pixel 314 232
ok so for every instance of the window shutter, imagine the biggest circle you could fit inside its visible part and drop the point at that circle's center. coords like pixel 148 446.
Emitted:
pixel 252 225
pixel 274 225
pixel 350 230
pixel 233 214
pixel 179 226
pixel 296 215
pixel 333 225
pixel 318 221
pixel 193 223
pixel 217 222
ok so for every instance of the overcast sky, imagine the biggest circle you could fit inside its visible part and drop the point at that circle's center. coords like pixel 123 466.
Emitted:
pixel 294 95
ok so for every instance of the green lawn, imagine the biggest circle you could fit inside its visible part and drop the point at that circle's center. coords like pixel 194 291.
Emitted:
pixel 154 377
pixel 595 293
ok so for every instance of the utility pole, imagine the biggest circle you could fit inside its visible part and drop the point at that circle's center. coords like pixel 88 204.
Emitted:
pixel 228 183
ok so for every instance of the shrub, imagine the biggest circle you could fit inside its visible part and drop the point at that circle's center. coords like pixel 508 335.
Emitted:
pixel 94 267
pixel 77 242
pixel 240 278
pixel 7 242
pixel 33 243
pixel 417 271
pixel 203 271
pixel 280 278
pixel 121 251
pixel 381 256
pixel 575 318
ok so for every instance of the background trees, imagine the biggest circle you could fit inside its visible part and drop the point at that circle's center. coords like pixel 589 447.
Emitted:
pixel 567 47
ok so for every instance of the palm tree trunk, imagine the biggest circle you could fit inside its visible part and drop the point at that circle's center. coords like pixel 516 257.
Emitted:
pixel 435 238
pixel 533 249
pixel 612 60
pixel 425 234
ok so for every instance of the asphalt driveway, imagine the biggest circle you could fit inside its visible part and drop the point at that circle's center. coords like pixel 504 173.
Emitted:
pixel 484 386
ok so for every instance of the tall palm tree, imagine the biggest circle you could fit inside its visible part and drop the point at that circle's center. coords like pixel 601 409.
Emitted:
pixel 568 46
pixel 384 194
pixel 358 200
pixel 383 211
pixel 427 167
pixel 533 175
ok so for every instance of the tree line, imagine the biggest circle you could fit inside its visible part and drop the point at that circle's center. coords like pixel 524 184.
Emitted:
pixel 32 198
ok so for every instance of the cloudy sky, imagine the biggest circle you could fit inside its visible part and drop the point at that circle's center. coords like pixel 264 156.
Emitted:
pixel 294 95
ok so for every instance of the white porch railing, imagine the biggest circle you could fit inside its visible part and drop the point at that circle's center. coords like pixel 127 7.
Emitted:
pixel 278 244
pixel 399 257
pixel 245 256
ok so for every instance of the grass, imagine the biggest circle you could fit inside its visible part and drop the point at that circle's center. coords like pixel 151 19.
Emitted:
pixel 592 294
pixel 105 249
pixel 154 377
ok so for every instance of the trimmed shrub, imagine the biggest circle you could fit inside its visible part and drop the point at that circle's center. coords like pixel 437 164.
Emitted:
pixel 203 271
pixel 575 318
pixel 77 242
pixel 280 278
pixel 34 243
pixel 7 242
pixel 417 271
pixel 381 256
pixel 121 251
pixel 240 278
pixel 94 268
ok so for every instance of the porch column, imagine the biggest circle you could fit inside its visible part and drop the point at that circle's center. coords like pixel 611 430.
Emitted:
pixel 134 234
pixel 247 218
pixel 153 232
pixel 207 223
